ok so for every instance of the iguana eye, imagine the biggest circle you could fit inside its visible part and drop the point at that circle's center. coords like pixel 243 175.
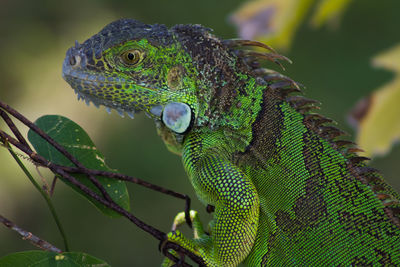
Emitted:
pixel 131 57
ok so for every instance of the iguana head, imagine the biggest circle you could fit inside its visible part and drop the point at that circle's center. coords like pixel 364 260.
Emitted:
pixel 130 66
pixel 183 77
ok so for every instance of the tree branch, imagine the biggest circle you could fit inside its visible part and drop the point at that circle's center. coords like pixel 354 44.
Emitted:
pixel 36 241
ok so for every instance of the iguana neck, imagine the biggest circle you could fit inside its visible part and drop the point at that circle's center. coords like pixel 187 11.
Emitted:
pixel 230 96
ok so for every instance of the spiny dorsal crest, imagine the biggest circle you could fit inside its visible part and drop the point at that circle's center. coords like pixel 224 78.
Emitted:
pixel 290 92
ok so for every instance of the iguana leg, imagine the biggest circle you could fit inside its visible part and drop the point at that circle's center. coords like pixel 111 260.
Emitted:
pixel 219 182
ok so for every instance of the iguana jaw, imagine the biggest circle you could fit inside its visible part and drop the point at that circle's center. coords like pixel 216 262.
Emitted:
pixel 113 92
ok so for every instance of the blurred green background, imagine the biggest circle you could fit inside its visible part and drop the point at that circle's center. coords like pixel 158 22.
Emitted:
pixel 334 65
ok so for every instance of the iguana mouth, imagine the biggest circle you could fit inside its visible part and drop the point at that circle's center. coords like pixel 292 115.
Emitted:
pixel 89 91
pixel 97 101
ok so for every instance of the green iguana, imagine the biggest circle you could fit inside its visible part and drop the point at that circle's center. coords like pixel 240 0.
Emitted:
pixel 287 190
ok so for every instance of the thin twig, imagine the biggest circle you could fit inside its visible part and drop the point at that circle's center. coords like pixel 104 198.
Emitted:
pixel 29 236
pixel 53 185
pixel 45 185
pixel 13 128
pixel 137 181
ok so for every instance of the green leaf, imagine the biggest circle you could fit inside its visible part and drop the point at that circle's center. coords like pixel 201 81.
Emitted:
pixel 77 142
pixel 377 116
pixel 51 259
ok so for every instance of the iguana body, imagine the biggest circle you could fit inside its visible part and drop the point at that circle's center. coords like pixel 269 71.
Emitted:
pixel 286 189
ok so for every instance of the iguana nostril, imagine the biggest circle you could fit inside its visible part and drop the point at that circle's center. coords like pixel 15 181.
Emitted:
pixel 74 60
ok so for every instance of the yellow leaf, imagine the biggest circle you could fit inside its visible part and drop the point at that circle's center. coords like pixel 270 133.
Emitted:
pixel 328 11
pixel 271 21
pixel 379 125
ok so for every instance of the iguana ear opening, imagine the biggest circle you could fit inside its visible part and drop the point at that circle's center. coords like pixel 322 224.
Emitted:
pixel 177 117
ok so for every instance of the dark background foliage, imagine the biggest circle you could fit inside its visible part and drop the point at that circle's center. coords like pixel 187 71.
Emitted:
pixel 333 64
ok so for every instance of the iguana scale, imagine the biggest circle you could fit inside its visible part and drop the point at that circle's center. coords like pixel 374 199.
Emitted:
pixel 287 190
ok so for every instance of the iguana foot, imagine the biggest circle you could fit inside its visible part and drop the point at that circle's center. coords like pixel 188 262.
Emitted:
pixel 197 245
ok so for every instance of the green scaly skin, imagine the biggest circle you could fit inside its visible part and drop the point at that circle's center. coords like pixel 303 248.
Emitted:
pixel 286 189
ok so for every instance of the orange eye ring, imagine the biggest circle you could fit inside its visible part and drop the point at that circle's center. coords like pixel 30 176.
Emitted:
pixel 131 57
